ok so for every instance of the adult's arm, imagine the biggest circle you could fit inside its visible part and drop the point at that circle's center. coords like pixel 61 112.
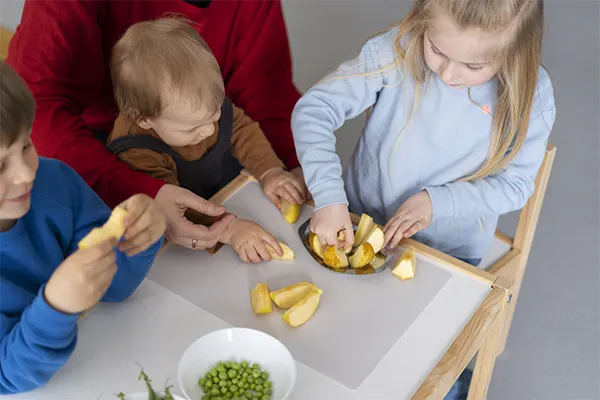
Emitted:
pixel 260 78
pixel 58 50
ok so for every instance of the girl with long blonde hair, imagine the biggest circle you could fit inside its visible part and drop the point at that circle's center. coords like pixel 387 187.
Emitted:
pixel 460 114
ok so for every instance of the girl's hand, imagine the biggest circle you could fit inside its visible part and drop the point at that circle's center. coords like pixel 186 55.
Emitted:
pixel 279 184
pixel 329 221
pixel 81 279
pixel 413 215
pixel 250 241
pixel 144 225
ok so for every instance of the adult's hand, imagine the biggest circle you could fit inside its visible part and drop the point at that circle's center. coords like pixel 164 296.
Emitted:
pixel 174 201
pixel 300 175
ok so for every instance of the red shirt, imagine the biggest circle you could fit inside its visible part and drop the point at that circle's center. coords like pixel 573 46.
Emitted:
pixel 62 50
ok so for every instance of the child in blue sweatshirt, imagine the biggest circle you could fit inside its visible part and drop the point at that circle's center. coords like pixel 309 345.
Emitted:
pixel 45 281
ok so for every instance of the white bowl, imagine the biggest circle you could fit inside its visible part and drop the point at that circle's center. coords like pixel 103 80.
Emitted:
pixel 237 344
pixel 144 396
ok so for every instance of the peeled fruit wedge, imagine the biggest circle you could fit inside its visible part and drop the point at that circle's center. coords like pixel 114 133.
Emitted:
pixel 406 265
pixel 376 238
pixel 341 238
pixel 315 244
pixel 362 256
pixel 288 296
pixel 260 300
pixel 365 226
pixel 335 257
pixel 113 228
pixel 303 310
pixel 378 261
pixel 290 212
pixel 288 254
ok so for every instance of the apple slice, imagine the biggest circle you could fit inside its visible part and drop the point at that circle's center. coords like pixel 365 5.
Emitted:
pixel 290 212
pixel 303 310
pixel 288 254
pixel 365 226
pixel 406 265
pixel 290 295
pixel 260 300
pixel 335 258
pixel 113 228
pixel 315 244
pixel 362 256
pixel 378 261
pixel 376 238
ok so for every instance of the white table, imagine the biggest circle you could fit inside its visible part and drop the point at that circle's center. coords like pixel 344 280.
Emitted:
pixel 157 324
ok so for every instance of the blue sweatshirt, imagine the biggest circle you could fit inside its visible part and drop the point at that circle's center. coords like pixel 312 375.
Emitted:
pixel 35 339
pixel 447 138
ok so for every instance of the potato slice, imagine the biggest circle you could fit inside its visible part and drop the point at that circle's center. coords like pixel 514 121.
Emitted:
pixel 260 300
pixel 315 244
pixel 365 226
pixel 376 238
pixel 378 261
pixel 362 256
pixel 288 254
pixel 288 296
pixel 341 238
pixel 290 212
pixel 335 257
pixel 113 228
pixel 303 310
pixel 406 265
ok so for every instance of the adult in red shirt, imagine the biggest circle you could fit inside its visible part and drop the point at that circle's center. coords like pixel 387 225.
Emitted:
pixel 62 50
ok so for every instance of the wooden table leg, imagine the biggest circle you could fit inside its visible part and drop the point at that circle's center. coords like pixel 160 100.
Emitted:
pixel 486 356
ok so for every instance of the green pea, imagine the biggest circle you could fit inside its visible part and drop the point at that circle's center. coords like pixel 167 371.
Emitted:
pixel 214 373
pixel 228 364
pixel 221 368
pixel 252 386
pixel 259 388
pixel 256 374
pixel 245 374
pixel 256 366
pixel 244 364
pixel 222 383
pixel 231 373
pixel 233 388
pixel 258 394
pixel 202 382
pixel 267 391
pixel 206 397
pixel 266 397
pixel 217 398
pixel 208 384
pixel 259 381
pixel 222 375
pixel 250 379
pixel 264 375
pixel 215 392
pixel 216 379
pixel 246 385
pixel 249 394
pixel 228 395
pixel 235 381
pixel 267 384
pixel 235 366
pixel 224 390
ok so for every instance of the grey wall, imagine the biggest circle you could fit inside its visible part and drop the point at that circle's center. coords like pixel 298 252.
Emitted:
pixel 553 351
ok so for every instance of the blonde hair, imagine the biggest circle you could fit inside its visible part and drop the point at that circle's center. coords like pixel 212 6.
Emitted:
pixel 164 56
pixel 17 106
pixel 520 55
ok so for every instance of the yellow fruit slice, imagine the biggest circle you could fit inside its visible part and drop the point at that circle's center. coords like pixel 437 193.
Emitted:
pixel 365 226
pixel 260 300
pixel 362 256
pixel 341 238
pixel 406 265
pixel 334 257
pixel 288 254
pixel 303 310
pixel 290 212
pixel 114 227
pixel 315 244
pixel 376 238
pixel 290 295
pixel 378 261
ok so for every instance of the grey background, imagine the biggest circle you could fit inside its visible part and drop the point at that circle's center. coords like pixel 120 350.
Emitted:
pixel 553 351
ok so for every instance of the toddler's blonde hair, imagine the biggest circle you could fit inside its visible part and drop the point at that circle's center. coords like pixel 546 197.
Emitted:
pixel 164 56
pixel 520 59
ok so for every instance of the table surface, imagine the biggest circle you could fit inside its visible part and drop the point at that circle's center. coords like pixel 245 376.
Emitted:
pixel 156 325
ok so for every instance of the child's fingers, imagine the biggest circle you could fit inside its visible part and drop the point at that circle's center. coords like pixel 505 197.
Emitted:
pixel 138 225
pixel 106 264
pixel 136 207
pixel 253 255
pixel 140 242
pixel 262 251
pixel 271 241
pixel 243 256
pixel 93 254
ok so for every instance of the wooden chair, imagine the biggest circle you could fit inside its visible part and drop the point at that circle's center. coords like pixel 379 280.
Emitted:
pixel 5 36
pixel 508 256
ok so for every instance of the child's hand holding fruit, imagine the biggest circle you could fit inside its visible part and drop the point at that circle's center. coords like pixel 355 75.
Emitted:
pixel 328 222
pixel 278 184
pixel 145 224
pixel 250 241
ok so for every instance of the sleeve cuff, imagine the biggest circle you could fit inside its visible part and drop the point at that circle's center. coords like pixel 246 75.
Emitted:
pixel 47 322
pixel 441 201
pixel 329 193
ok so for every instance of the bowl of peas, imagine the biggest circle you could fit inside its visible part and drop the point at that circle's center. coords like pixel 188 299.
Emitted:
pixel 237 363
